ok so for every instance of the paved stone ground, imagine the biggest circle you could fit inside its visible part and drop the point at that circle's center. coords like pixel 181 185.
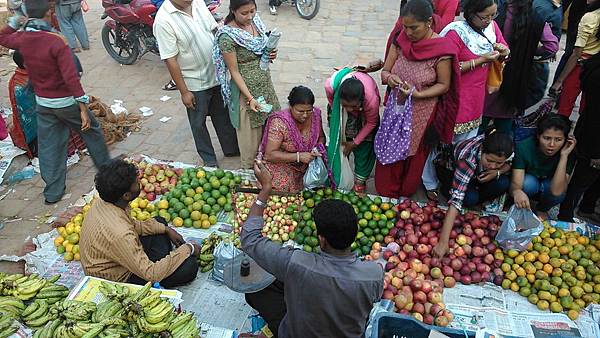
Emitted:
pixel 343 31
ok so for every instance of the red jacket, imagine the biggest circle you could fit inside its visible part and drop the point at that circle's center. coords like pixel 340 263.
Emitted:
pixel 48 60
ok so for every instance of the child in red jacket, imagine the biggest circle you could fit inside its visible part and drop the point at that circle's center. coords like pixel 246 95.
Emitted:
pixel 61 101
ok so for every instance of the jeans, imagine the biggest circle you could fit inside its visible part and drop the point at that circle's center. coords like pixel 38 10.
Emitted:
pixel 210 103
pixel 156 248
pixel 70 20
pixel 477 192
pixel 539 189
pixel 585 182
pixel 53 128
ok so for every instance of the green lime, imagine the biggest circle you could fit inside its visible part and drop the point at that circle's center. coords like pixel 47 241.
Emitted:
pixel 184 213
pixel 188 201
pixel 188 222
pixel 211 201
pixel 215 194
pixel 222 200
pixel 206 208
pixel 194 183
pixel 307 248
pixel 299 239
pixel 207 187
pixel 227 207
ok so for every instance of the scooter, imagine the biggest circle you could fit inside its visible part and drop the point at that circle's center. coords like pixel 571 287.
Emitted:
pixel 307 9
pixel 128 35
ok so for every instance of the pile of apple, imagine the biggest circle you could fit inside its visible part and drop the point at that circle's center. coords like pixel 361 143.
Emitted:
pixel 473 255
pixel 278 214
pixel 416 290
pixel 156 179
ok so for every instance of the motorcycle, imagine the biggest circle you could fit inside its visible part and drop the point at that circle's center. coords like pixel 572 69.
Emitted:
pixel 307 9
pixel 128 35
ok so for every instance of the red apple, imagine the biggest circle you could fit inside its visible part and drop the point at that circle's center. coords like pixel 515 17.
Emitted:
pixel 420 298
pixel 422 248
pixel 465 279
pixel 428 319
pixel 449 282
pixel 434 297
pixel 416 285
pixel 435 272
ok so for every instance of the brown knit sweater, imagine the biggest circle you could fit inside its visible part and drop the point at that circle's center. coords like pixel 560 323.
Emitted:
pixel 111 249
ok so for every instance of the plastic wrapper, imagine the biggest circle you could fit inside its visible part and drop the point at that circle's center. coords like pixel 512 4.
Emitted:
pixel 224 252
pixel 518 229
pixel 316 174
pixel 272 43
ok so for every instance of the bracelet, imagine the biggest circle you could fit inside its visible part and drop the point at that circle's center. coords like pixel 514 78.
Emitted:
pixel 472 64
pixel 498 175
pixel 260 203
pixel 192 247
pixel 297 157
pixel 250 100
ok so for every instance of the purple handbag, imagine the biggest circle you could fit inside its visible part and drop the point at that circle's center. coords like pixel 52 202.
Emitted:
pixel 392 141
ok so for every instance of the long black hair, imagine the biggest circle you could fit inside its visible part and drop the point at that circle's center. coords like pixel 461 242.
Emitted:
pixel 234 5
pixel 521 17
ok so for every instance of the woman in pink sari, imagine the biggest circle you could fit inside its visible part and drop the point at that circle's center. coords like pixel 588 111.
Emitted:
pixel 290 140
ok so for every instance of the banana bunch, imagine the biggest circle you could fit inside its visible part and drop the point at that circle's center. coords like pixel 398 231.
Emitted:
pixel 156 314
pixel 8 326
pixel 75 310
pixel 184 326
pixel 71 329
pixel 11 307
pixel 206 258
pixel 37 314
pixel 114 291
pixel 32 286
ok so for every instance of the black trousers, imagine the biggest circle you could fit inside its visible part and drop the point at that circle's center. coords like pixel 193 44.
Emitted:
pixel 584 181
pixel 270 304
pixel 159 246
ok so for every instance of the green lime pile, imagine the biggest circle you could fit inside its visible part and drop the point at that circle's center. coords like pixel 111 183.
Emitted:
pixel 376 218
pixel 198 198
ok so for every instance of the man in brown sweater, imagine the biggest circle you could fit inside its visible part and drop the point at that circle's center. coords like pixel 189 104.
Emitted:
pixel 116 247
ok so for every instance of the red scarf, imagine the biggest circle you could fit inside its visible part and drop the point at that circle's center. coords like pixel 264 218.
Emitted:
pixel 435 25
pixel 446 109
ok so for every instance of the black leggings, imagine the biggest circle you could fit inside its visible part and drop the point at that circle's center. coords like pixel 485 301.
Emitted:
pixel 159 246
pixel 270 304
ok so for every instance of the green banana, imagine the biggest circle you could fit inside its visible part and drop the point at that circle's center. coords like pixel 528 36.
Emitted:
pixel 30 309
pixel 39 322
pixel 180 320
pixel 6 322
pixel 93 332
pixel 151 328
pixel 157 317
pixel 54 278
pixel 12 301
pixel 53 287
pixel 9 331
pixel 39 312
pixel 52 294
pixel 207 257
pixel 139 294
pixel 53 300
pixel 51 328
pixel 207 268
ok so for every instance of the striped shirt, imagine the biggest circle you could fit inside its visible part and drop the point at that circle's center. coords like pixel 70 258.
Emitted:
pixel 190 38
pixel 467 155
pixel 110 246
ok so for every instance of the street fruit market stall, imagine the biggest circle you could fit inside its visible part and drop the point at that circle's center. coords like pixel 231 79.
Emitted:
pixel 478 285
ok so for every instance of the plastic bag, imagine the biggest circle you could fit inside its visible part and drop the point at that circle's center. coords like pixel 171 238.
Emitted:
pixel 316 174
pixel 518 229
pixel 224 252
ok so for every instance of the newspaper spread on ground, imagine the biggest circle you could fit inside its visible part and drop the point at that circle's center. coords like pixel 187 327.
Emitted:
pixel 508 314
pixel 8 152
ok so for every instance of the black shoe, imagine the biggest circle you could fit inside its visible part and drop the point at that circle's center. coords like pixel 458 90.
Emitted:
pixel 232 154
pixel 46 202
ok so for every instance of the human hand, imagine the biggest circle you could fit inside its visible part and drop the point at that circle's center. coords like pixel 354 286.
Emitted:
pixel 556 87
pixel 254 105
pixel 595 163
pixel 521 199
pixel 487 176
pixel 174 236
pixel 306 157
pixel 197 249
pixel 569 146
pixel 188 99
pixel 502 49
pixel 262 174
pixel 273 55
pixel 348 147
pixel 394 81
pixel 441 249
pixel 85 119
pixel 491 56
pixel 405 89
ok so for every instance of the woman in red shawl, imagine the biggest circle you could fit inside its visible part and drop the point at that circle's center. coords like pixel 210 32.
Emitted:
pixel 290 139
pixel 420 58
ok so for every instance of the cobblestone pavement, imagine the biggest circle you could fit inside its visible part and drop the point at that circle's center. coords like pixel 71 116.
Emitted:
pixel 343 31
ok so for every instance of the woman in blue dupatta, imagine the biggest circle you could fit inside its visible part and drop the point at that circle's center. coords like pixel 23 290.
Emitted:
pixel 239 46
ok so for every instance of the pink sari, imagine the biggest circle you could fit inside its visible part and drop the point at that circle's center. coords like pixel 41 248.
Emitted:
pixel 281 127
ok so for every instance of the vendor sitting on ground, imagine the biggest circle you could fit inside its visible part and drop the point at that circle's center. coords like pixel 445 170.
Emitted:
pixel 542 166
pixel 328 294
pixel 290 139
pixel 480 174
pixel 116 247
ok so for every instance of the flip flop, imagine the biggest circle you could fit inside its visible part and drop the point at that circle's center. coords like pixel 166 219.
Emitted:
pixel 170 86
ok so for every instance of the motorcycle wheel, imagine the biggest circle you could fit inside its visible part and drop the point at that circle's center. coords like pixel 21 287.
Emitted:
pixel 307 9
pixel 124 56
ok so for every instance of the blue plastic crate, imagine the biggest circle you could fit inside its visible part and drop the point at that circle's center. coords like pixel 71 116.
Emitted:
pixel 390 325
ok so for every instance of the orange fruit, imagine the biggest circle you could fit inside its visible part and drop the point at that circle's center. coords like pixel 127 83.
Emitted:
pixel 530 257
pixel 531 278
pixel 565 249
pixel 544 258
pixel 573 314
pixel 59 240
pixel 548 268
pixel 519 259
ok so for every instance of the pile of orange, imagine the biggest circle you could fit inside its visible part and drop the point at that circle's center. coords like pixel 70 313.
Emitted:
pixel 559 271
pixel 67 241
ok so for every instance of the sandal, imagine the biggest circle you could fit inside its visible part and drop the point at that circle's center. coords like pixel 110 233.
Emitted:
pixel 170 86
pixel 433 195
